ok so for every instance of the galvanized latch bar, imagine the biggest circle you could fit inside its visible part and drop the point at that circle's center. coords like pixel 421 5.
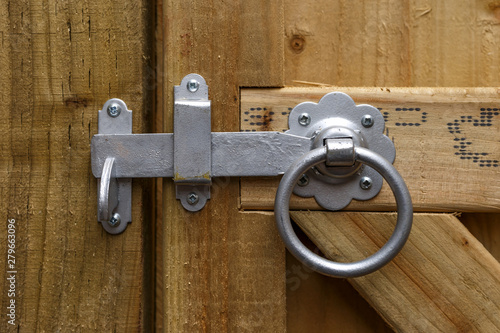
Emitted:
pixel 193 155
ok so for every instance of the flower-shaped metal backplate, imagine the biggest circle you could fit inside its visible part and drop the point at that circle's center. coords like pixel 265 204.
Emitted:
pixel 337 116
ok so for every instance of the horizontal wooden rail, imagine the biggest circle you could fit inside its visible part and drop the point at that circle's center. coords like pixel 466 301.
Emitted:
pixel 447 144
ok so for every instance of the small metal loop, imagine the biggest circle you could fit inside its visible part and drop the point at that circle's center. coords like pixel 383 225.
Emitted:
pixel 108 192
pixel 331 268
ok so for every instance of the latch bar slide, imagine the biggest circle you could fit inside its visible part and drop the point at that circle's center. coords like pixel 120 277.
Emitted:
pixel 233 154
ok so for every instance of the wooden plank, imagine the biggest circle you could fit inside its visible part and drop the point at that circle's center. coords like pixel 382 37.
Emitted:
pixel 454 44
pixel 318 303
pixel 443 280
pixel 205 254
pixel 260 52
pixel 60 62
pixel 347 43
pixel 446 142
pixel 377 43
pixel 486 228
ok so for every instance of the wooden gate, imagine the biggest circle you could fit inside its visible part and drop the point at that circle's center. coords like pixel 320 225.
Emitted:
pixel 430 66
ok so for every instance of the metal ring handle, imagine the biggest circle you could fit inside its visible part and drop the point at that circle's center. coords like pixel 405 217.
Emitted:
pixel 331 268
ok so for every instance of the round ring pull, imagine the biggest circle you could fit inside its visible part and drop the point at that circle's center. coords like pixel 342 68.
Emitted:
pixel 358 268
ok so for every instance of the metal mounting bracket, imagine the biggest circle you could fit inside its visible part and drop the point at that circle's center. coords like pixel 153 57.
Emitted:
pixel 192 143
pixel 114 202
pixel 193 155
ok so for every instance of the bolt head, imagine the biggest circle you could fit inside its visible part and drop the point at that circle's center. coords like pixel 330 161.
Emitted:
pixel 367 121
pixel 114 110
pixel 303 180
pixel 193 86
pixel 365 183
pixel 193 198
pixel 115 220
pixel 304 119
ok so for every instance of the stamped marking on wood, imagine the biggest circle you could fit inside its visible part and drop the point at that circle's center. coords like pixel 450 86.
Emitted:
pixel 447 143
pixel 259 118
pixel 464 147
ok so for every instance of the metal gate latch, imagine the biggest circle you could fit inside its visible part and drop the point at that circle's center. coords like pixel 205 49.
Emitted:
pixel 334 151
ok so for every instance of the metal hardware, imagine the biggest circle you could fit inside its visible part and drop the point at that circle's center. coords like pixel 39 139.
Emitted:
pixel 334 151
pixel 193 85
pixel 320 264
pixel 192 142
pixel 192 198
pixel 115 192
pixel 365 183
pixel 303 181
pixel 114 110
pixel 336 116
pixel 367 121
pixel 115 220
pixel 304 119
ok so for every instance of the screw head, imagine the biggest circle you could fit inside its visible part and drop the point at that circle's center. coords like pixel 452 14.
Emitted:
pixel 367 121
pixel 303 180
pixel 304 119
pixel 193 198
pixel 365 183
pixel 193 86
pixel 115 220
pixel 114 110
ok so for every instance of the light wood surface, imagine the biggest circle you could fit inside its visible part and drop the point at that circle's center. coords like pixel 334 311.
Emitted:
pixel 405 43
pixel 60 62
pixel 317 303
pixel 222 270
pixel 444 280
pixel 446 143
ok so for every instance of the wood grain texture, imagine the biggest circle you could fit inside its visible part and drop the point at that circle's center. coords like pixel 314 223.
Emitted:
pixel 446 144
pixel 212 281
pixel 486 228
pixel 60 62
pixel 260 45
pixel 443 280
pixel 380 43
pixel 317 303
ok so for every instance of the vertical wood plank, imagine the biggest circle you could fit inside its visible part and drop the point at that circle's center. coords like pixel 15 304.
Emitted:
pixel 380 43
pixel 454 43
pixel 346 43
pixel 60 62
pixel 205 254
pixel 260 53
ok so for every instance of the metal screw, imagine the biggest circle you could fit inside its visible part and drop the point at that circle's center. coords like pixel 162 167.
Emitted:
pixel 365 183
pixel 192 198
pixel 193 86
pixel 367 121
pixel 304 119
pixel 114 110
pixel 115 220
pixel 303 181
